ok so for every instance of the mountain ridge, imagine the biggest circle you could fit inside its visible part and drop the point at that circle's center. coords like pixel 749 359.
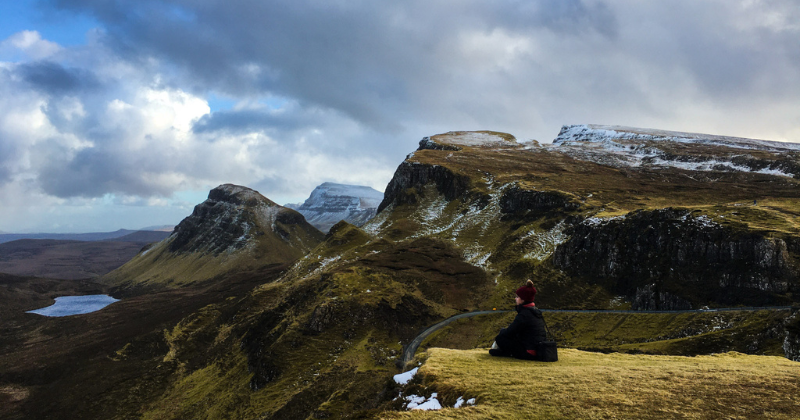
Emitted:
pixel 635 147
pixel 236 228
pixel 90 236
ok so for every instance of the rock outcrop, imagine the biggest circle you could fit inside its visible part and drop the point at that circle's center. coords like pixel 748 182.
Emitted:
pixel 519 201
pixel 236 228
pixel 409 180
pixel 234 217
pixel 669 259
pixel 791 341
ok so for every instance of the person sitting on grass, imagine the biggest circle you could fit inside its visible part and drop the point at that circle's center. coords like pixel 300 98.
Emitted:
pixel 519 340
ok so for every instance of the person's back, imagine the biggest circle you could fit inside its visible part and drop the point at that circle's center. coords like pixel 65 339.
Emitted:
pixel 533 330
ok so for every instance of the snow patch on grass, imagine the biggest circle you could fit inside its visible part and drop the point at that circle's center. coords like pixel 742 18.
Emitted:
pixel 470 138
pixel 435 219
pixel 378 223
pixel 403 378
pixel 600 221
pixel 431 403
pixel 461 402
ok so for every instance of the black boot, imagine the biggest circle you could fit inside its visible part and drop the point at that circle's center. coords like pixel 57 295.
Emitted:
pixel 498 353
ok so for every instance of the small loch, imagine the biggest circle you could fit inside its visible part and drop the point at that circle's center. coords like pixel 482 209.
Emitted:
pixel 75 305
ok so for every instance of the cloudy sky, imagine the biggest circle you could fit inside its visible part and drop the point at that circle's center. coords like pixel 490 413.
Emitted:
pixel 123 114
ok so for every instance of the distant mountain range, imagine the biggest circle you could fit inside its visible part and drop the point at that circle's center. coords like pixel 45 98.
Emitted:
pixel 92 236
pixel 71 259
pixel 331 203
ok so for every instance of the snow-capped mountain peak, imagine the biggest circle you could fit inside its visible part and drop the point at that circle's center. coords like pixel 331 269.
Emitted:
pixel 330 202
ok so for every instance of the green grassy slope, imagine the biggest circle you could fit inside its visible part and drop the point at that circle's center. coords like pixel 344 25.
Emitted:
pixel 320 341
pixel 753 332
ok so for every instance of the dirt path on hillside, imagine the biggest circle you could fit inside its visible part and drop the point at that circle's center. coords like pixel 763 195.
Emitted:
pixel 410 349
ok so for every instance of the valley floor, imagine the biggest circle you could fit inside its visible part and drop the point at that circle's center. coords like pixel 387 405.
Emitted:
pixel 587 385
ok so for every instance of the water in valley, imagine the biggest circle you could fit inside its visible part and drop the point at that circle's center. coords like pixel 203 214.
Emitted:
pixel 75 305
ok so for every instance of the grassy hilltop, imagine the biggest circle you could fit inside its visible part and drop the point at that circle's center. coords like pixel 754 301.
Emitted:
pixel 584 385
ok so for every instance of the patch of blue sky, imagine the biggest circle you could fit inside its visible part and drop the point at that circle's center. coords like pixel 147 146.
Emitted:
pixel 62 27
pixel 219 102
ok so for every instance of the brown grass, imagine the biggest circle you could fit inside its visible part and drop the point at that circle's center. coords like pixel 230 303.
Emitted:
pixel 584 385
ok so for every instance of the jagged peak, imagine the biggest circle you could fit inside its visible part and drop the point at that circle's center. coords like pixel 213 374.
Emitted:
pixel 238 195
pixel 598 133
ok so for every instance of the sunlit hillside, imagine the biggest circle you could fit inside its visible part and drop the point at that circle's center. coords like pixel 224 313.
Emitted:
pixel 585 385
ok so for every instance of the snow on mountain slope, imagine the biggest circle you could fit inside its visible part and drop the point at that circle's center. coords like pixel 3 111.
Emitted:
pixel 330 202
pixel 638 147
pixel 617 135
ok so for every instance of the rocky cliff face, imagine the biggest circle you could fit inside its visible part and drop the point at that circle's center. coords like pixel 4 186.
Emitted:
pixel 520 202
pixel 791 342
pixel 669 259
pixel 330 203
pixel 409 179
pixel 234 217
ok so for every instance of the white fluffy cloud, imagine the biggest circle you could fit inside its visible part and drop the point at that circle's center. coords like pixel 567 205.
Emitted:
pixel 28 44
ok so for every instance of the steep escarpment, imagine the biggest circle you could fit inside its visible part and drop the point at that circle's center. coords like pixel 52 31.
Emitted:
pixel 410 178
pixel 621 214
pixel 791 340
pixel 518 201
pixel 234 217
pixel 236 228
pixel 414 174
pixel 669 259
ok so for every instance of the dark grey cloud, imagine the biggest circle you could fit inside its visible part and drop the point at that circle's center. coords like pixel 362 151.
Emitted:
pixel 366 59
pixel 53 78
pixel 566 17
pixel 250 120
pixel 395 65
pixel 359 82
pixel 96 171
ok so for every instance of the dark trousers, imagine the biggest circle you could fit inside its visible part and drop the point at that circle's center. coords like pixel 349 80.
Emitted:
pixel 512 346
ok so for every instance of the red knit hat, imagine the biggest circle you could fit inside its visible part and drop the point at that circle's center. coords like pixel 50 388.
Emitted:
pixel 527 292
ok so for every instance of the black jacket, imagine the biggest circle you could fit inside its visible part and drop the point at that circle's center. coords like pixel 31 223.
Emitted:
pixel 528 327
